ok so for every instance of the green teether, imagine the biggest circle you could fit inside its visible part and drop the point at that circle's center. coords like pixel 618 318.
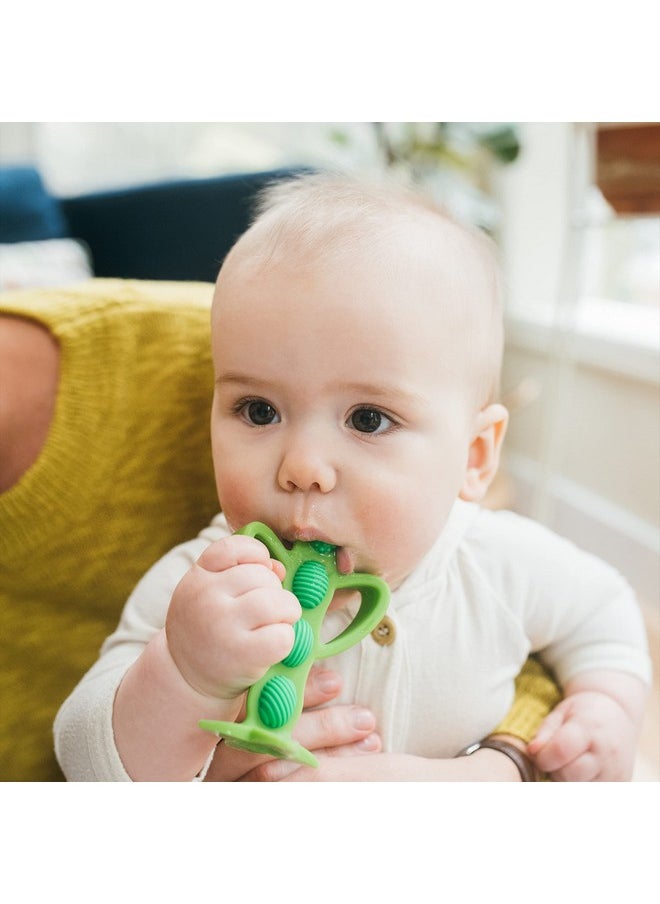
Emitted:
pixel 275 702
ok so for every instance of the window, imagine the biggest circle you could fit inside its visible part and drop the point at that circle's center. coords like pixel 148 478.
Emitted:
pixel 583 277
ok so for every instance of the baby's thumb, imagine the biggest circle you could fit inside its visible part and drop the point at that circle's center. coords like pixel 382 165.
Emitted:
pixel 549 727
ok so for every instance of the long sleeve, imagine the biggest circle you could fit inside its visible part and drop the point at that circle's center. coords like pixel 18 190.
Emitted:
pixel 84 739
pixel 577 611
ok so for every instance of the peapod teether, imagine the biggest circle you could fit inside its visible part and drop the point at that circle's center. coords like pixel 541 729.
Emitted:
pixel 275 702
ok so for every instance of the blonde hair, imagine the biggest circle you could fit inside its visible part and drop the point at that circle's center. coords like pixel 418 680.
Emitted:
pixel 317 216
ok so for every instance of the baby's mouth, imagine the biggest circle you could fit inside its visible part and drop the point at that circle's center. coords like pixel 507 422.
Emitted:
pixel 343 558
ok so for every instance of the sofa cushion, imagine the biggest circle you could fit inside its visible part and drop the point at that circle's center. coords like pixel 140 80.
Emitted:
pixel 174 230
pixel 28 213
pixel 53 262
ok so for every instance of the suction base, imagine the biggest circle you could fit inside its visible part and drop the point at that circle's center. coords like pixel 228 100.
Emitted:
pixel 260 740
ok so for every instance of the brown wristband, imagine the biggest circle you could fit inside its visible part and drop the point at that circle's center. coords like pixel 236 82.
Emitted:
pixel 526 768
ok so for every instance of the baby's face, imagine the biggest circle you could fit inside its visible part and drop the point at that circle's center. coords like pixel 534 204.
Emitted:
pixel 339 411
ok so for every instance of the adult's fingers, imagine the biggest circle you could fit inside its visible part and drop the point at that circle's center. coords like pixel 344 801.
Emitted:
pixel 278 770
pixel 334 726
pixel 323 685
pixel 321 730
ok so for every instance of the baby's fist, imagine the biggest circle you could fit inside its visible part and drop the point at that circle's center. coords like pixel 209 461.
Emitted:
pixel 587 737
pixel 230 619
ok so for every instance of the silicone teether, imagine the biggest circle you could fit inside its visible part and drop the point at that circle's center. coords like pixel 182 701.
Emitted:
pixel 275 702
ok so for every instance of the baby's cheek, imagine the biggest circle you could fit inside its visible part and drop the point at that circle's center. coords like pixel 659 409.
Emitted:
pixel 237 498
pixel 403 526
pixel 392 528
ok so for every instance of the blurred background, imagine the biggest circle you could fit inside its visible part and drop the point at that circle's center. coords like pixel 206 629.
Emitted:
pixel 575 210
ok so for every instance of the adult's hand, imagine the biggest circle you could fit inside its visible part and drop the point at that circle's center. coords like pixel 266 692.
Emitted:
pixel 337 730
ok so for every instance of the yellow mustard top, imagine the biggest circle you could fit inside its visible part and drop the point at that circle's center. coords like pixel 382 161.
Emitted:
pixel 124 475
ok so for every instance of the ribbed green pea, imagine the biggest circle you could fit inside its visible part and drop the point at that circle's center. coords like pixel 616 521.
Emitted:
pixel 277 701
pixel 302 645
pixel 310 584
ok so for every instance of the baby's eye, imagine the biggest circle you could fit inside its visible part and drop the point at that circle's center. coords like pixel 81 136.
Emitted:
pixel 370 420
pixel 259 412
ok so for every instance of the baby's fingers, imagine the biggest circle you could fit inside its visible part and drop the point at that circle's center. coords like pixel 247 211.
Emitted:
pixel 584 768
pixel 238 550
pixel 568 743
pixel 261 607
pixel 549 727
pixel 269 644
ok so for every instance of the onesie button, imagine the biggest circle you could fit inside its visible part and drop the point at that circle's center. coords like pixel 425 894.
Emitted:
pixel 384 632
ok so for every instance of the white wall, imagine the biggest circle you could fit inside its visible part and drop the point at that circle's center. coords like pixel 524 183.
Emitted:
pixel 76 157
pixel 584 455
pixel 17 142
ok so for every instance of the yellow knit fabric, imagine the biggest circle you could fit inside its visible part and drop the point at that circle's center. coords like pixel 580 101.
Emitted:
pixel 125 475
pixel 536 695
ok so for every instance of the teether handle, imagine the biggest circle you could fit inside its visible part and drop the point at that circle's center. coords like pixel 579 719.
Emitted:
pixel 375 595
pixel 268 537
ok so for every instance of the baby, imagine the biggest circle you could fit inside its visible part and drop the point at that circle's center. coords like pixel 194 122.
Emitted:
pixel 357 340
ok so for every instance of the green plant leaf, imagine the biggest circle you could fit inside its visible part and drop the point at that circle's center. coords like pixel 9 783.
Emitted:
pixel 502 143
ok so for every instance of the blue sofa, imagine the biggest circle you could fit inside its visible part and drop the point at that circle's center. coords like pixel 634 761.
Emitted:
pixel 174 230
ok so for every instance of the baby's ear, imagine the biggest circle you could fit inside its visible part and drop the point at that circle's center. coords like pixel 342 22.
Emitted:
pixel 484 452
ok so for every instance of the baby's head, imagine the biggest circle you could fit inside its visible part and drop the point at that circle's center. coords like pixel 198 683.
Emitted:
pixel 357 337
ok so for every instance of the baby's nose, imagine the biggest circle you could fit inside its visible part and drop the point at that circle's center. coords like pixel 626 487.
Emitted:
pixel 305 466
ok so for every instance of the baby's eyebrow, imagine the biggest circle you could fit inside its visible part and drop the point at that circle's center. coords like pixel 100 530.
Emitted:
pixel 387 394
pixel 234 377
pixel 393 393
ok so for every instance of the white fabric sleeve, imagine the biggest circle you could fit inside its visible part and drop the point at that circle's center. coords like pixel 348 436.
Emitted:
pixel 578 612
pixel 84 741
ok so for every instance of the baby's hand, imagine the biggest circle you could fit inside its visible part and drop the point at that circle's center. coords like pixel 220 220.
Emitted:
pixel 587 737
pixel 230 618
